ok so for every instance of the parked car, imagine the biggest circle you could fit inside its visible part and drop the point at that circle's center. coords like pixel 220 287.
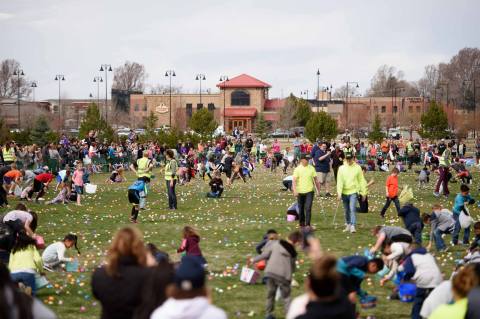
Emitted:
pixel 281 133
pixel 123 132
pixel 298 130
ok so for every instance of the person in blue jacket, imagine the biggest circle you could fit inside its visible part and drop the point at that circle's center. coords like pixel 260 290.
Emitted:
pixel 353 270
pixel 463 198
pixel 137 193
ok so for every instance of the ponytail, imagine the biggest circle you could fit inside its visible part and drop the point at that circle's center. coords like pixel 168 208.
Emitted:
pixel 74 239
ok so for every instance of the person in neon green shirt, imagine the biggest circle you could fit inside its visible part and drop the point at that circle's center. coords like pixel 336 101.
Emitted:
pixel 350 183
pixel 464 281
pixel 303 184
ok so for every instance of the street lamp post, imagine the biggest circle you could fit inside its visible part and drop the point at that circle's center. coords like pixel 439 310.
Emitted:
pixel 224 78
pixel 98 79
pixel 33 86
pixel 169 74
pixel 318 89
pixel 200 77
pixel 346 101
pixel 18 72
pixel 59 78
pixel 106 67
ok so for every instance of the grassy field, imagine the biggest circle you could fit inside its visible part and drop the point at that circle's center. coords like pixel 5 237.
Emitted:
pixel 230 228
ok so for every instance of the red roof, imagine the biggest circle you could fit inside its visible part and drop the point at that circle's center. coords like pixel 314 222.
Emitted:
pixel 274 104
pixel 240 111
pixel 272 117
pixel 243 81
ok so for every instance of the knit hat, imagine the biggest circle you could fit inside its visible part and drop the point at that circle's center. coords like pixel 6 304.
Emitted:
pixel 190 274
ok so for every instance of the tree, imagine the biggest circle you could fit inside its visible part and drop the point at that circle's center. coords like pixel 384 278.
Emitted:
pixel 341 92
pixel 40 132
pixel 164 89
pixel 203 123
pixel 286 115
pixel 321 125
pixel 151 125
pixel 10 83
pixel 303 111
pixel 94 122
pixel 434 122
pixel 387 81
pixel 4 132
pixel 376 134
pixel 261 126
pixel 130 76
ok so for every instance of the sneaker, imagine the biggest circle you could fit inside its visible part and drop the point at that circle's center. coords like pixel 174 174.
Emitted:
pixel 48 268
pixel 436 194
pixel 352 229
pixel 347 228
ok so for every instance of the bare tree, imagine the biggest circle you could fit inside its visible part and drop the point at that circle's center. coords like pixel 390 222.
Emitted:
pixel 286 115
pixel 387 79
pixel 130 76
pixel 341 92
pixel 427 84
pixel 10 83
pixel 164 89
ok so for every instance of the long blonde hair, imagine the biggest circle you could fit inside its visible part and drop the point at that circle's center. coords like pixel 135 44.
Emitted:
pixel 128 242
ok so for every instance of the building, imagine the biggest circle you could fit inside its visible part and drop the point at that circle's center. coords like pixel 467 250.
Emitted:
pixel 29 112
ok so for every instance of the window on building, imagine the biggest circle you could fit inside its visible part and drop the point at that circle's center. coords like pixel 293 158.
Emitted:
pixel 375 109
pixel 395 109
pixel 188 110
pixel 240 98
pixel 137 107
pixel 199 106
pixel 145 107
pixel 384 109
pixel 419 109
pixel 410 108
pixel 211 106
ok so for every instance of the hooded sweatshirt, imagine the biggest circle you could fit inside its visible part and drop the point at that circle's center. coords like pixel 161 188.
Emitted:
pixel 420 266
pixel 280 256
pixel 196 308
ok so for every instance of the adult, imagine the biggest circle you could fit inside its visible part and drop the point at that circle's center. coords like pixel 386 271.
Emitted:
pixel 171 178
pixel 143 168
pixel 303 184
pixel 118 285
pixel 337 160
pixel 350 183
pixel 8 153
pixel 40 182
pixel 3 192
pixel 187 297
pixel 249 143
pixel 321 158
pixel 444 162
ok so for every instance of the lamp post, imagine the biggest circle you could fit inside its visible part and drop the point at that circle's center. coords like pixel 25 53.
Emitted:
pixel 33 85
pixel 318 89
pixel 59 78
pixel 98 79
pixel 106 67
pixel 346 101
pixel 200 77
pixel 224 78
pixel 18 72
pixel 169 74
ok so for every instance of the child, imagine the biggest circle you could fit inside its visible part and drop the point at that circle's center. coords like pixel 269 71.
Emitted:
pixel 280 256
pixel 411 218
pixel 476 241
pixel 116 176
pixel 25 261
pixel 389 234
pixel 54 255
pixel 391 190
pixel 270 235
pixel 394 253
pixel 64 194
pixel 78 182
pixel 11 179
pixel 293 210
pixel 363 198
pixel 353 269
pixel 136 194
pixel 423 177
pixel 287 183
pixel 420 266
pixel 459 206
pixel 216 186
pixel 190 245
pixel 441 223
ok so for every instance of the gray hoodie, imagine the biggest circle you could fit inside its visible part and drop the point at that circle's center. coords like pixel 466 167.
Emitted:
pixel 280 256
pixel 196 308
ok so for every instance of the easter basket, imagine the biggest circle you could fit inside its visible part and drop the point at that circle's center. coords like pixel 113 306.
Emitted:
pixel 249 275
pixel 90 188
pixel 407 291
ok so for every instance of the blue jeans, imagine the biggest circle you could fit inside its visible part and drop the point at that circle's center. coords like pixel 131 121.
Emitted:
pixel 350 208
pixel 420 296
pixel 457 229
pixel 437 236
pixel 28 279
pixel 416 230
pixel 172 197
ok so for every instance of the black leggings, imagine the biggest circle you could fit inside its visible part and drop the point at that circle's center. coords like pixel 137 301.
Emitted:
pixel 305 202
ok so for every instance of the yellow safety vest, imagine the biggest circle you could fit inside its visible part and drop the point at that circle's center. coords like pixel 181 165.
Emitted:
pixel 169 170
pixel 8 156
pixel 142 167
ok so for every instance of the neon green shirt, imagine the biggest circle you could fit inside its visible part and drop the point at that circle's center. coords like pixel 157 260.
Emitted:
pixel 29 258
pixel 304 178
pixel 350 180
pixel 458 310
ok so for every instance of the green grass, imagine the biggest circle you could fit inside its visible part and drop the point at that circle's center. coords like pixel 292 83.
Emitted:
pixel 230 228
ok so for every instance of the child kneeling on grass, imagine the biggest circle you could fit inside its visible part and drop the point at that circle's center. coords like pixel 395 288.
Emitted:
pixel 136 194
pixel 280 256
pixel 216 186
pixel 54 255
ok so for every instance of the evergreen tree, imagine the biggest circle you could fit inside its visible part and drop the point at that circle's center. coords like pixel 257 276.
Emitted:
pixel 321 126
pixel 261 126
pixel 203 123
pixel 93 121
pixel 303 111
pixel 434 122
pixel 376 134
pixel 39 134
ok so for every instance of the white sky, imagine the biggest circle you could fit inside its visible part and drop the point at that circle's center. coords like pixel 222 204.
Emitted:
pixel 280 42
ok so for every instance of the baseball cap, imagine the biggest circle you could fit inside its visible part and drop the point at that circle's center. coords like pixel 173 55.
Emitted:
pixel 348 155
pixel 190 274
pixel 305 156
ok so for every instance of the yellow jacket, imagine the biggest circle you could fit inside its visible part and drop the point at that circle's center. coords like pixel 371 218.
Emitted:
pixel 28 258
pixel 350 180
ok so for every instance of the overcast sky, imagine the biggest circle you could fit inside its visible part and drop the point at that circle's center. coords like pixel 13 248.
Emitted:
pixel 280 42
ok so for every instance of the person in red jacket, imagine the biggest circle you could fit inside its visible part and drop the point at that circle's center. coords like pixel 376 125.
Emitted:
pixel 391 189
pixel 40 182
pixel 191 244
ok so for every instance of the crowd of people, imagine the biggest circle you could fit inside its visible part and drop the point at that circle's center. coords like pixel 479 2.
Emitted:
pixel 140 281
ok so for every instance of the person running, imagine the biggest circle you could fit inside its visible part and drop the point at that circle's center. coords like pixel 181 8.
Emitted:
pixel 391 190
pixel 303 184
pixel 350 182
pixel 444 161
pixel 171 178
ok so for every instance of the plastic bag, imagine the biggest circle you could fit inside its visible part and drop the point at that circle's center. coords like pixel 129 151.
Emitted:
pixel 406 195
pixel 465 220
